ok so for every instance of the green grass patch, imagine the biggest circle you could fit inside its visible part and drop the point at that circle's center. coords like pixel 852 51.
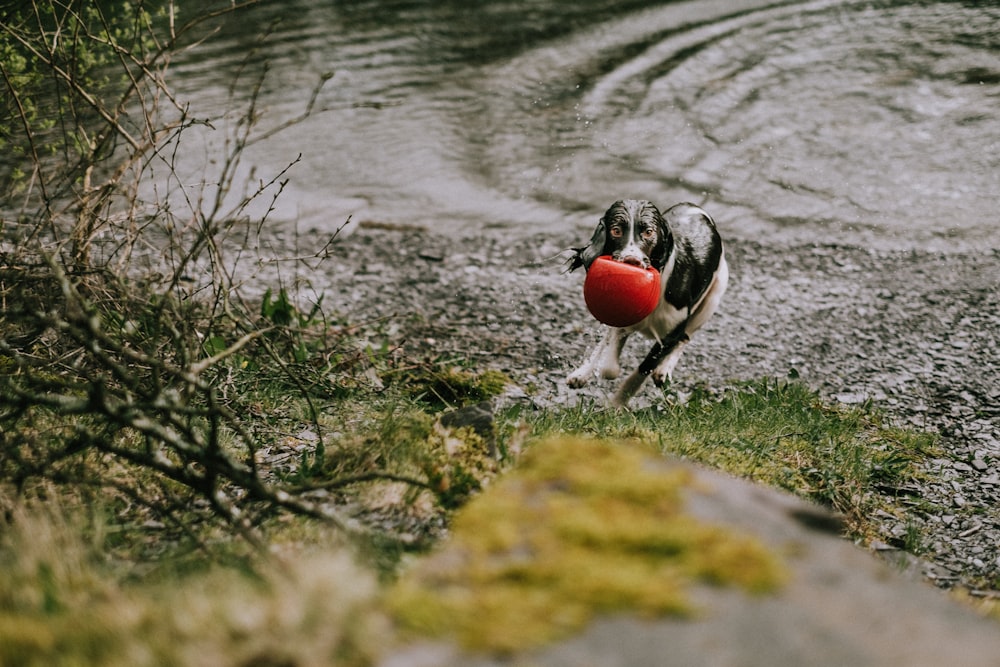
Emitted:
pixel 776 432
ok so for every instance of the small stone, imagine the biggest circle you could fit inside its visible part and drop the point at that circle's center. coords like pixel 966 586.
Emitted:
pixel 851 398
pixel 979 465
pixel 431 255
pixel 307 434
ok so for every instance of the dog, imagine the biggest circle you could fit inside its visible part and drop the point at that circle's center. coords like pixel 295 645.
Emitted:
pixel 684 245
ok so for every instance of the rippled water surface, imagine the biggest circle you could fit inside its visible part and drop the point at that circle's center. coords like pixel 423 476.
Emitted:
pixel 831 121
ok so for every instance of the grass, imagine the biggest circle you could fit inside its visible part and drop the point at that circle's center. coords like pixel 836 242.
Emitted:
pixel 776 432
pixel 63 603
pixel 90 580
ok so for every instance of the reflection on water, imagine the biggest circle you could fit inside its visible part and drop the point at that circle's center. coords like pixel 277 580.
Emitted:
pixel 840 121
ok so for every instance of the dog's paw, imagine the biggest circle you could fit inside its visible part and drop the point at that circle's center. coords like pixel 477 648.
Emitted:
pixel 661 377
pixel 579 378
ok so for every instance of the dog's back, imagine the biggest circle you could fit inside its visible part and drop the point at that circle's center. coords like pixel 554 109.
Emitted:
pixel 696 256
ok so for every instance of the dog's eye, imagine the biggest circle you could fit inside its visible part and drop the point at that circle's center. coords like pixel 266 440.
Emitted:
pixel 616 232
pixel 648 234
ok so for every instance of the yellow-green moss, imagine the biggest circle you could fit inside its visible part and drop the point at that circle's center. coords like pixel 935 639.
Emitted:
pixel 455 386
pixel 581 527
pixel 457 464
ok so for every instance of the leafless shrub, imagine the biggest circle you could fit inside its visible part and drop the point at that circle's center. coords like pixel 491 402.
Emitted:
pixel 112 377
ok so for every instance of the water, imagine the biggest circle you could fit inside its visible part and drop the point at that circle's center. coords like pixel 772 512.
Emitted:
pixel 830 121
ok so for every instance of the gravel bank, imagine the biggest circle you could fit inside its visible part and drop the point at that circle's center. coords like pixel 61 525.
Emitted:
pixel 916 332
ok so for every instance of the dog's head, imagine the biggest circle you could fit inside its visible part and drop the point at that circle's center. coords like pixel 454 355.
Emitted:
pixel 632 231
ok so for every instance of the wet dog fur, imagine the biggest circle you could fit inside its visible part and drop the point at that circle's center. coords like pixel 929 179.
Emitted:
pixel 684 245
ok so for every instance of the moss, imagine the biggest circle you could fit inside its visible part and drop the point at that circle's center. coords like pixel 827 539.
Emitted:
pixel 25 638
pixel 445 387
pixel 457 464
pixel 985 604
pixel 581 527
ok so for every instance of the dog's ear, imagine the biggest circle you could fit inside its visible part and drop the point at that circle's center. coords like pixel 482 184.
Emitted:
pixel 664 242
pixel 586 255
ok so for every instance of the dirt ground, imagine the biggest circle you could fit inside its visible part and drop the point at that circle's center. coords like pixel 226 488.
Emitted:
pixel 918 333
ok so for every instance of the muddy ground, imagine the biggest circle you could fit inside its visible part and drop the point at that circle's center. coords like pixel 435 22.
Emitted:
pixel 918 333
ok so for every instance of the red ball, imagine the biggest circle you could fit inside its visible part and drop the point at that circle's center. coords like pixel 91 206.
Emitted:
pixel 620 294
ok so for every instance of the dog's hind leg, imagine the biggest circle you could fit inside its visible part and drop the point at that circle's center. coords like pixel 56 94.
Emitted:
pixel 627 389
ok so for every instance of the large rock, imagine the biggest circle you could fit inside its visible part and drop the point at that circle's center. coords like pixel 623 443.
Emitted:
pixel 838 606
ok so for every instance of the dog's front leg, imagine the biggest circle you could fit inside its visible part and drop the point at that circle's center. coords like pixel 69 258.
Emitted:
pixel 659 363
pixel 664 371
pixel 604 358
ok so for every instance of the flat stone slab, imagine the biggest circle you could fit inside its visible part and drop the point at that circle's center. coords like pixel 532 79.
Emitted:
pixel 840 607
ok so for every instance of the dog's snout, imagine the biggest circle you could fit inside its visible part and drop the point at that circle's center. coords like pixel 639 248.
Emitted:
pixel 631 256
pixel 633 260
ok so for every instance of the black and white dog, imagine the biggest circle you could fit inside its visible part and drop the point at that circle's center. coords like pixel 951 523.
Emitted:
pixel 685 247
